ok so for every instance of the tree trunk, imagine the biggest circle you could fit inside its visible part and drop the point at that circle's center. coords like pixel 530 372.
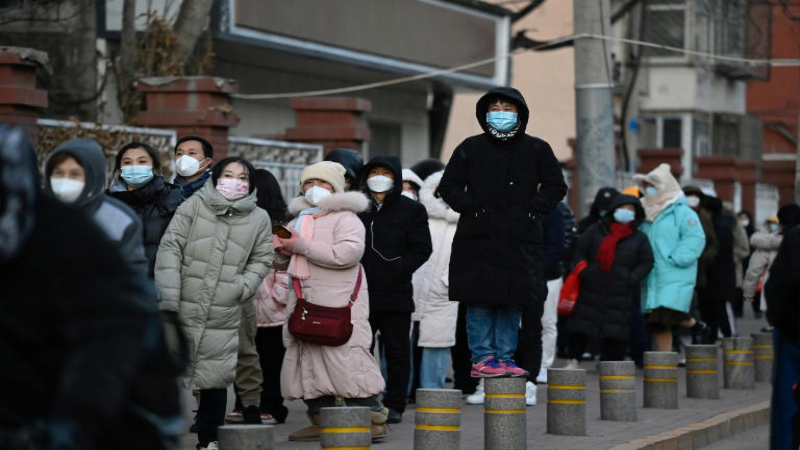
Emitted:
pixel 83 52
pixel 128 39
pixel 192 20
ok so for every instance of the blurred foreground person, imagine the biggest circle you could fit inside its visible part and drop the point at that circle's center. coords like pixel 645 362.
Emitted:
pixel 74 341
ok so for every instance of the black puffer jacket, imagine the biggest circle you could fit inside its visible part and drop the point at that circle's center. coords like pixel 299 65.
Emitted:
pixel 782 289
pixel 605 300
pixel 155 204
pixel 398 242
pixel 501 188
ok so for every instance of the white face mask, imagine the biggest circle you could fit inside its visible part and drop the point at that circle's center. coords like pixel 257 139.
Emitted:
pixel 380 183
pixel 409 194
pixel 187 166
pixel 315 194
pixel 66 189
pixel 745 223
pixel 693 201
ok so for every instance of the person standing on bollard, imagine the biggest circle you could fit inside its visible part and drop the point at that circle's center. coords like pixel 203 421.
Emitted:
pixel 619 258
pixel 501 181
pixel 677 239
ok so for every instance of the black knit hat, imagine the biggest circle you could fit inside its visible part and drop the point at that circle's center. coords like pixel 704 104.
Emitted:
pixel 426 167
pixel 789 215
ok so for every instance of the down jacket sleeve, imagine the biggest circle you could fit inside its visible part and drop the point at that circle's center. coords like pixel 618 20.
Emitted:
pixel 259 262
pixel 347 248
pixel 644 262
pixel 418 239
pixel 553 187
pixel 170 255
pixel 454 180
pixel 692 240
pixel 759 263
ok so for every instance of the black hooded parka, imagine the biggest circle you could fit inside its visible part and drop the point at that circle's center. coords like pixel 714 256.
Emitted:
pixel 501 188
pixel 606 300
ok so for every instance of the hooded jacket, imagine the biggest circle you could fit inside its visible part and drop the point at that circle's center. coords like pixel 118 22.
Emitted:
pixel 677 239
pixel 351 160
pixel 765 248
pixel 501 188
pixel 398 242
pixel 711 248
pixel 606 300
pixel 115 218
pixel 436 313
pixel 211 260
pixel 155 203
pixel 602 202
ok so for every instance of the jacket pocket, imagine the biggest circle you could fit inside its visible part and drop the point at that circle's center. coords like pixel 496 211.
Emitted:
pixel 529 228
pixel 474 224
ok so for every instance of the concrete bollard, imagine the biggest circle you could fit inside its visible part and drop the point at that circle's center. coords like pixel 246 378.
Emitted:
pixel 739 371
pixel 661 380
pixel 702 379
pixel 764 352
pixel 345 427
pixel 566 402
pixel 245 437
pixel 617 391
pixel 438 419
pixel 504 419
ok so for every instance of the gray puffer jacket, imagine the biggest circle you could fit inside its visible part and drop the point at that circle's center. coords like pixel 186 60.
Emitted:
pixel 211 260
pixel 765 247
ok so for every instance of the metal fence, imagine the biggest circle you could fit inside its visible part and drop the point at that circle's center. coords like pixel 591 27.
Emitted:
pixel 285 160
pixel 111 138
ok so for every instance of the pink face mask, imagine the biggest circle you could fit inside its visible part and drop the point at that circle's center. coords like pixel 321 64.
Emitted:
pixel 233 189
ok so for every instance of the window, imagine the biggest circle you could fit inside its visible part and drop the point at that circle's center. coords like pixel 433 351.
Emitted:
pixel 665 24
pixel 672 134
pixel 660 132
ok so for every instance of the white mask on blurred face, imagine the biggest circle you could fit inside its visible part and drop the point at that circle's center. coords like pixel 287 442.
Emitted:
pixel 66 189
pixel 187 166
pixel 410 195
pixel 315 194
pixel 380 183
pixel 693 201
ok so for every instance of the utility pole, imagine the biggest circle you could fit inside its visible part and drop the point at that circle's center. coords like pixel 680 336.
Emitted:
pixel 594 110
pixel 797 164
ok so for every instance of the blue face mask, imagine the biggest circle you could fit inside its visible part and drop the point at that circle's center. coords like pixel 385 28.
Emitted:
pixel 624 215
pixel 137 176
pixel 501 121
pixel 602 213
pixel 650 191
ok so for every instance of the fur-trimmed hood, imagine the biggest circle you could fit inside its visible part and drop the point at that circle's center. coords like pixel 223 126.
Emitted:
pixel 669 191
pixel 353 201
pixel 409 175
pixel 437 208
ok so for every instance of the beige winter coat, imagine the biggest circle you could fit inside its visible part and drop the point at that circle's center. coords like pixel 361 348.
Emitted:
pixel 437 314
pixel 309 370
pixel 765 247
pixel 212 258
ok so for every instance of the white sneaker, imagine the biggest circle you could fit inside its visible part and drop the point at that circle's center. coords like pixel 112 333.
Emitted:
pixel 530 394
pixel 542 377
pixel 478 396
pixel 572 364
pixel 211 446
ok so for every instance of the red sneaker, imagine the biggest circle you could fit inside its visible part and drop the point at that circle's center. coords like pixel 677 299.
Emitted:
pixel 488 368
pixel 512 370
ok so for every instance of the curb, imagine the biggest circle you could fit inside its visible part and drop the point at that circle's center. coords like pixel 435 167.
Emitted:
pixel 706 432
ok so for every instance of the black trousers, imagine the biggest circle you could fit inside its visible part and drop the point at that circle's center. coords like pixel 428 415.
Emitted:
pixel 614 348
pixel 394 328
pixel 714 312
pixel 461 356
pixel 529 351
pixel 210 414
pixel 269 345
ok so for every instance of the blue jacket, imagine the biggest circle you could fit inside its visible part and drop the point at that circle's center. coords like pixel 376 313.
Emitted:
pixel 678 240
pixel 553 227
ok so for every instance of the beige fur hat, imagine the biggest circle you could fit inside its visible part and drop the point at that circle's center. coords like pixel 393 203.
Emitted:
pixel 328 171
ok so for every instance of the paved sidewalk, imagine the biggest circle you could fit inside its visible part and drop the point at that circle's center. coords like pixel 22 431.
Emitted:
pixel 601 434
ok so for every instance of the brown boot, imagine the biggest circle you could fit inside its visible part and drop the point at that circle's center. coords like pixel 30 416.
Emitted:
pixel 379 430
pixel 307 434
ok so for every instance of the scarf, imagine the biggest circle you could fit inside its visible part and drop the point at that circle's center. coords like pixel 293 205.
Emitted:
pixel 608 248
pixel 503 136
pixel 304 226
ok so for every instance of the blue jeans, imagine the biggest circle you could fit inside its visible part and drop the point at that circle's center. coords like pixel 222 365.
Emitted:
pixel 433 370
pixel 786 372
pixel 492 331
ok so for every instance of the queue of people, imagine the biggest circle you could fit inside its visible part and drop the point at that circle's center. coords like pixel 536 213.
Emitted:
pixel 432 267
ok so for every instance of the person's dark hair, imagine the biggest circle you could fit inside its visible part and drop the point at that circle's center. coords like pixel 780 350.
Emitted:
pixel 789 215
pixel 269 196
pixel 751 227
pixel 150 151
pixel 426 167
pixel 217 172
pixel 208 150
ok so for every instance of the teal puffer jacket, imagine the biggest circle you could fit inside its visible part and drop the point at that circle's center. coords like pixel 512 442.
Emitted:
pixel 677 238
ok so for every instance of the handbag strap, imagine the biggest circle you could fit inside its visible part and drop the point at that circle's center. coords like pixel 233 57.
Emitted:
pixel 298 290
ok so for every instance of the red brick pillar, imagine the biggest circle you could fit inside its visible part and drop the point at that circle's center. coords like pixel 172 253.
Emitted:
pixel 191 106
pixel 649 159
pixel 781 174
pixel 334 122
pixel 746 173
pixel 21 104
pixel 722 171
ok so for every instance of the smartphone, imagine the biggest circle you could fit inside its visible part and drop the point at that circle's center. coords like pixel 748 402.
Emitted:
pixel 281 231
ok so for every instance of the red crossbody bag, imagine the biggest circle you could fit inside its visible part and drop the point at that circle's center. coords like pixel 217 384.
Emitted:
pixel 322 325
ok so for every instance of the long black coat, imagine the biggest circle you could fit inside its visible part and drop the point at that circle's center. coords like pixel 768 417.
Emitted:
pixel 155 204
pixel 783 287
pixel 501 188
pixel 398 242
pixel 605 300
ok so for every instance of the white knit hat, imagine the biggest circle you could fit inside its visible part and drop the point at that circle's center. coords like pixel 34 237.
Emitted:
pixel 328 171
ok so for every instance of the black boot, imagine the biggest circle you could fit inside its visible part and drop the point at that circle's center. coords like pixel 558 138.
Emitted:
pixel 252 415
pixel 702 333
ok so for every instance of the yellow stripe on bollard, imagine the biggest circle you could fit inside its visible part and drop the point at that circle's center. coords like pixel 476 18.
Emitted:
pixel 701 359
pixel 743 352
pixel 763 346
pixel 739 363
pixel 345 448
pixel 566 386
pixel 438 410
pixel 505 411
pixel 505 395
pixel 661 367
pixel 568 402
pixel 615 377
pixel 346 430
pixel 437 427
pixel 701 371
pixel 616 390
pixel 661 380
pixel 764 356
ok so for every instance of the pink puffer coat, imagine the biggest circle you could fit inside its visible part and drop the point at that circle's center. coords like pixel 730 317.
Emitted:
pixel 270 299
pixel 309 370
